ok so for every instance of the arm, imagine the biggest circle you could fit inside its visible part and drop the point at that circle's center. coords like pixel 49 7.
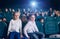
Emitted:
pixel 10 24
pixel 36 29
pixel 25 30
pixel 21 27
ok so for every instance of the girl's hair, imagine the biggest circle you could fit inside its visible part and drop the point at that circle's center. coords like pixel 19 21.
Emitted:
pixel 15 13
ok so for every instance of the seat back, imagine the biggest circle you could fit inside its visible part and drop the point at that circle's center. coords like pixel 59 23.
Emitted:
pixel 3 29
pixel 51 26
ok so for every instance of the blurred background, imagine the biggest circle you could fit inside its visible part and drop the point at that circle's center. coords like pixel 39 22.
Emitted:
pixel 47 14
pixel 45 4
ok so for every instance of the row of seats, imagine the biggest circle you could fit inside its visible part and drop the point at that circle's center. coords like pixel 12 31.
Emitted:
pixel 3 29
pixel 50 26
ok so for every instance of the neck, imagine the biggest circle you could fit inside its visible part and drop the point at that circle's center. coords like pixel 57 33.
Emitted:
pixel 16 19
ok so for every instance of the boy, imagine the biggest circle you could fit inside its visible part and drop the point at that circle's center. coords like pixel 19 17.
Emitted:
pixel 31 31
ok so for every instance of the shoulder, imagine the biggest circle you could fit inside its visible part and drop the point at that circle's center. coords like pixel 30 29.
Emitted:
pixel 19 20
pixel 29 22
pixel 11 20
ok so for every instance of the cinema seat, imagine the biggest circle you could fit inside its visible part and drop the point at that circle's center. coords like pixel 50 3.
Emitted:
pixel 50 18
pixel 58 19
pixel 8 16
pixel 51 26
pixel 3 28
pixel 40 27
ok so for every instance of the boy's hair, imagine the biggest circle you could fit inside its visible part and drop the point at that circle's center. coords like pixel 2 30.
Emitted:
pixel 31 15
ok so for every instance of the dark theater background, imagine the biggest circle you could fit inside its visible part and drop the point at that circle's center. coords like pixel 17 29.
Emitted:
pixel 46 12
pixel 26 3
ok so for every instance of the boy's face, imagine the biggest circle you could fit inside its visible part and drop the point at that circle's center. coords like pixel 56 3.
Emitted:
pixel 32 18
pixel 16 16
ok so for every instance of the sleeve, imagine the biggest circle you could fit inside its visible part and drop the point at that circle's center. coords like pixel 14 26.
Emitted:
pixel 36 29
pixel 25 29
pixel 9 29
pixel 20 26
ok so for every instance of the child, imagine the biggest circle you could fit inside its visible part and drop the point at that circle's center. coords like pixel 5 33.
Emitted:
pixel 15 27
pixel 31 31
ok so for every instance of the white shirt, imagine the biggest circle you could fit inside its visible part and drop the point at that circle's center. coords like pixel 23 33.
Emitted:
pixel 30 28
pixel 15 25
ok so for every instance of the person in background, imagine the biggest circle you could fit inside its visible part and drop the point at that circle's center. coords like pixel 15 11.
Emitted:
pixel 27 15
pixel 37 16
pixel 7 15
pixel 15 27
pixel 6 29
pixel 24 22
pixel 58 13
pixel 53 15
pixel 18 10
pixel 3 29
pixel 4 20
pixel 28 11
pixel 42 20
pixel 31 31
pixel 24 11
pixel 46 14
pixel 50 12
pixel 43 24
pixel 40 25
pixel 10 10
pixel 1 13
pixel 13 11
pixel 0 19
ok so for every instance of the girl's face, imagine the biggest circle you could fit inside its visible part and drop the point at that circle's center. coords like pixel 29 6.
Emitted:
pixel 16 16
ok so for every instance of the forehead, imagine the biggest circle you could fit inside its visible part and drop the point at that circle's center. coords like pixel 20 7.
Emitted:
pixel 33 16
pixel 17 13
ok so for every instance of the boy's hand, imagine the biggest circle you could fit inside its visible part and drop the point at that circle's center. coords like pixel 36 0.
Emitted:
pixel 7 33
pixel 21 36
pixel 28 37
